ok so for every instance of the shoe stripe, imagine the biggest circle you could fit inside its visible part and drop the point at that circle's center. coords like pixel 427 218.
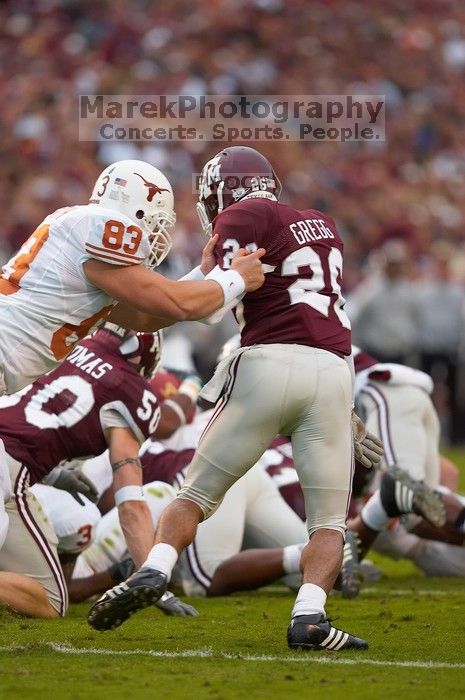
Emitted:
pixel 403 496
pixel 408 497
pixel 117 590
pixel 329 638
pixel 348 556
pixel 336 640
pixel 342 642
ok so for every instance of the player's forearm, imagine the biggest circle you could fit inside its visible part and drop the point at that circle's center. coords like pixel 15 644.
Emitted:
pixel 189 300
pixel 127 316
pixel 178 409
pixel 137 526
pixel 157 296
pixel 80 589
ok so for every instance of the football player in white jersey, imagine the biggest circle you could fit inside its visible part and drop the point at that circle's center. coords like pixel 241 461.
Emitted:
pixel 82 260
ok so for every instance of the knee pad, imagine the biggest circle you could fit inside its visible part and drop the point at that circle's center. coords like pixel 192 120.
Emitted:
pixel 207 506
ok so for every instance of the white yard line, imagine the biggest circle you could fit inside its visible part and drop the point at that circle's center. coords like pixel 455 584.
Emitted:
pixel 210 654
pixel 406 592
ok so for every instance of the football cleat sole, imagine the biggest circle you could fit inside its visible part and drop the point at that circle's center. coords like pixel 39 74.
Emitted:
pixel 423 500
pixel 123 600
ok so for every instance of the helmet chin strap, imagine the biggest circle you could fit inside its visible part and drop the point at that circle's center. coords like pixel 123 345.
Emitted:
pixel 219 196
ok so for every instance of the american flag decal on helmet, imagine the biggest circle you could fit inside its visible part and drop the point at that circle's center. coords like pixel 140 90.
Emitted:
pixel 120 181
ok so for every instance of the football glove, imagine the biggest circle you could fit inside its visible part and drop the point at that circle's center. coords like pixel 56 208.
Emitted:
pixel 368 449
pixel 169 604
pixel 74 482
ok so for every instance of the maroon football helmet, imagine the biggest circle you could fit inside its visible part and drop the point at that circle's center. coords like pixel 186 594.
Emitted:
pixel 146 346
pixel 231 175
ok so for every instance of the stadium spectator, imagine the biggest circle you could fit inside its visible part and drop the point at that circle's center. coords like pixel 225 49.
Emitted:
pixel 411 187
pixel 441 325
pixel 385 318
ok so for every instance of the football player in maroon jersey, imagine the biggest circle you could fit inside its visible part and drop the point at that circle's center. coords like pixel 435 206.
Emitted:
pixel 98 397
pixel 290 377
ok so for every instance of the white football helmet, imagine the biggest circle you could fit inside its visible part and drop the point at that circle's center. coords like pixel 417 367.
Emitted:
pixel 141 192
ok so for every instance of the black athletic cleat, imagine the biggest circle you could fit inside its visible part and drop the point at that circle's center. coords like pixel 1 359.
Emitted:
pixel 401 494
pixel 315 633
pixel 139 591
pixel 121 570
pixel 351 571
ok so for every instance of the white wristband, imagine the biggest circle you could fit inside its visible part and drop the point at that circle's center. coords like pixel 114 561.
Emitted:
pixel 194 275
pixel 191 387
pixel 177 409
pixel 129 493
pixel 230 281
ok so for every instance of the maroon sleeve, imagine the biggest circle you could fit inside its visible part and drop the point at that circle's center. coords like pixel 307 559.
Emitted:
pixel 136 404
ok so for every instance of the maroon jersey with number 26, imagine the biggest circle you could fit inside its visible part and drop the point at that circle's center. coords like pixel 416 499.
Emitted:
pixel 300 301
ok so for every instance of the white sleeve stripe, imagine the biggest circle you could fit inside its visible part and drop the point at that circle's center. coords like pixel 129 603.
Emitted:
pixel 124 412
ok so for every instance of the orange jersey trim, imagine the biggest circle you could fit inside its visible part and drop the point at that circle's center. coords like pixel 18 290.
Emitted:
pixel 6 287
pixel 23 260
pixel 122 261
pixel 113 252
pixel 62 344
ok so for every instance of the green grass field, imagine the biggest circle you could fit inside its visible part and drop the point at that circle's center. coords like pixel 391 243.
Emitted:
pixel 237 648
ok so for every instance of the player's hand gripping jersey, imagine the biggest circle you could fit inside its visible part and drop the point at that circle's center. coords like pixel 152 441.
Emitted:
pixel 300 301
pixel 63 414
pixel 46 302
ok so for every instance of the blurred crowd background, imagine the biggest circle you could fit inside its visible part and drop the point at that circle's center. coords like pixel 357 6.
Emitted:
pixel 400 205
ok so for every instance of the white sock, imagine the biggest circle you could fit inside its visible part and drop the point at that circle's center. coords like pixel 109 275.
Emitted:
pixel 310 600
pixel 373 514
pixel 162 557
pixel 291 558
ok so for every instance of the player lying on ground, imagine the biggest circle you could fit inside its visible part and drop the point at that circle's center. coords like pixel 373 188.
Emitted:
pixel 98 398
pixel 70 274
pixel 291 378
pixel 94 547
pixel 252 514
pixel 395 402
pixel 432 557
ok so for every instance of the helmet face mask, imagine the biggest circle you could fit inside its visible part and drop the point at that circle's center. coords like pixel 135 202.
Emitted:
pixel 231 175
pixel 141 192
pixel 157 227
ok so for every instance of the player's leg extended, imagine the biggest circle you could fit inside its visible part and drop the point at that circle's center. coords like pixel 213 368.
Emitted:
pixel 245 422
pixel 397 415
pixel 322 448
pixel 31 577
